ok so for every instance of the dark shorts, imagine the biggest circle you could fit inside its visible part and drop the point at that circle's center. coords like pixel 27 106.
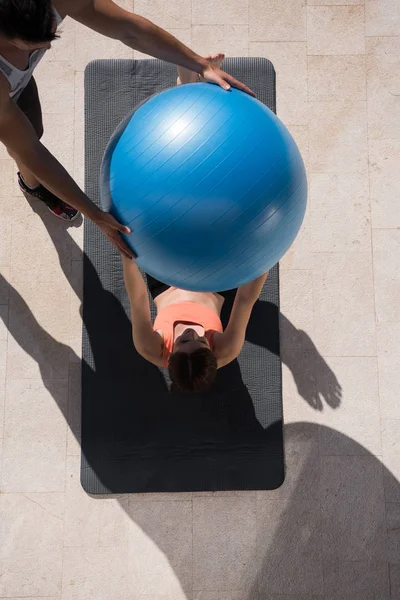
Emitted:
pixel 157 287
pixel 29 103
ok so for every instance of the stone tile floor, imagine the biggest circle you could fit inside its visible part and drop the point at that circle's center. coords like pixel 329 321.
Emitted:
pixel 332 531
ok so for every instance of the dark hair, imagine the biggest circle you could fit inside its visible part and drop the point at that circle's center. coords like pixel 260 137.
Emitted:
pixel 28 20
pixel 194 372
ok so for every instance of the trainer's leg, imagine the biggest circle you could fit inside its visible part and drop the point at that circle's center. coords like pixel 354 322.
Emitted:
pixel 29 103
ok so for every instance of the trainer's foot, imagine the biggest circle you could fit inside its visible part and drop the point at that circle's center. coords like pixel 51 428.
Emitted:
pixel 188 76
pixel 57 207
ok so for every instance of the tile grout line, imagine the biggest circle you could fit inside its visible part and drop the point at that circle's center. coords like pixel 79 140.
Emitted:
pixel 318 437
pixel 371 235
pixel 374 300
pixel 69 305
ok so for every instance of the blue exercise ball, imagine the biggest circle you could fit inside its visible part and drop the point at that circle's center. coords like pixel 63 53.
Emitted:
pixel 210 182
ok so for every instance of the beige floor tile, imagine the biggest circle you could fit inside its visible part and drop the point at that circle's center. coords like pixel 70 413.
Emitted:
pixel 357 419
pixel 394 572
pixel 91 522
pixel 293 597
pixel 3 372
pixel 334 2
pixel 232 40
pixel 335 30
pixel 5 273
pixel 48 305
pixel 299 255
pixel 290 62
pixel 160 546
pixel 9 188
pixel 5 244
pixel 3 322
pixel 383 87
pixel 64 47
pixel 226 493
pixel 32 357
pixel 3 362
pixel 296 297
pixel 35 352
pixel 183 35
pixel 74 410
pixel 382 17
pixel 208 12
pixel 391 445
pixel 340 210
pixel 386 244
pixel 336 78
pixel 388 335
pixel 338 137
pixel 276 21
pixel 310 386
pixel 55 82
pixel 353 524
pixel 175 15
pixel 161 497
pixel 31 550
pixel 3 153
pixel 344 317
pixel 35 431
pixel 384 159
pixel 353 580
pixel 288 523
pixel 79 140
pixel 237 594
pixel 92 46
pixel 2 403
pixel 224 543
pixel 99 573
pixel 42 235
pixel 182 595
pixel 62 144
pixel 76 233
pixel 300 136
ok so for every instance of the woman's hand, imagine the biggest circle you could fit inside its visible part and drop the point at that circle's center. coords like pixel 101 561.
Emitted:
pixel 213 74
pixel 112 229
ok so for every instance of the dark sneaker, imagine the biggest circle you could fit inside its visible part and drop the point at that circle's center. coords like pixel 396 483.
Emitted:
pixel 54 204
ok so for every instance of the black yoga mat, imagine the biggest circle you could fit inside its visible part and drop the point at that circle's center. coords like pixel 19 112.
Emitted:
pixel 136 436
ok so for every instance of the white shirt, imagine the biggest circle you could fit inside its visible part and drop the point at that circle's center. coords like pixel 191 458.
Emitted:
pixel 18 79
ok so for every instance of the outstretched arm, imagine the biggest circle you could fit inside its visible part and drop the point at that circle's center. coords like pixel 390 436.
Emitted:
pixel 147 342
pixel 229 344
pixel 109 19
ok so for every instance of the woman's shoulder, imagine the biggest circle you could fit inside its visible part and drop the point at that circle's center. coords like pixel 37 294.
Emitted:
pixel 153 349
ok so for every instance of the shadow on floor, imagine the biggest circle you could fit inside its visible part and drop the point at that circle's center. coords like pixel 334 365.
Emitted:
pixel 323 531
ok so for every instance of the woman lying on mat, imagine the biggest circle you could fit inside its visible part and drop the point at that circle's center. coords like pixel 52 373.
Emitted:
pixel 187 336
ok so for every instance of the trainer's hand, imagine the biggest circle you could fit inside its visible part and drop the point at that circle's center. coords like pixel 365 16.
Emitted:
pixel 212 74
pixel 112 229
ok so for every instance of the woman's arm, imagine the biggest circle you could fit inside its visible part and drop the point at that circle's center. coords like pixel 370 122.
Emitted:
pixel 147 342
pixel 228 345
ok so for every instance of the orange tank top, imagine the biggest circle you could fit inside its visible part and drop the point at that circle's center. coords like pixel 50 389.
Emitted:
pixel 190 312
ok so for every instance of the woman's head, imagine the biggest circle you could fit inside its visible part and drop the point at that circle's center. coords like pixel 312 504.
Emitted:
pixel 192 365
pixel 28 24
